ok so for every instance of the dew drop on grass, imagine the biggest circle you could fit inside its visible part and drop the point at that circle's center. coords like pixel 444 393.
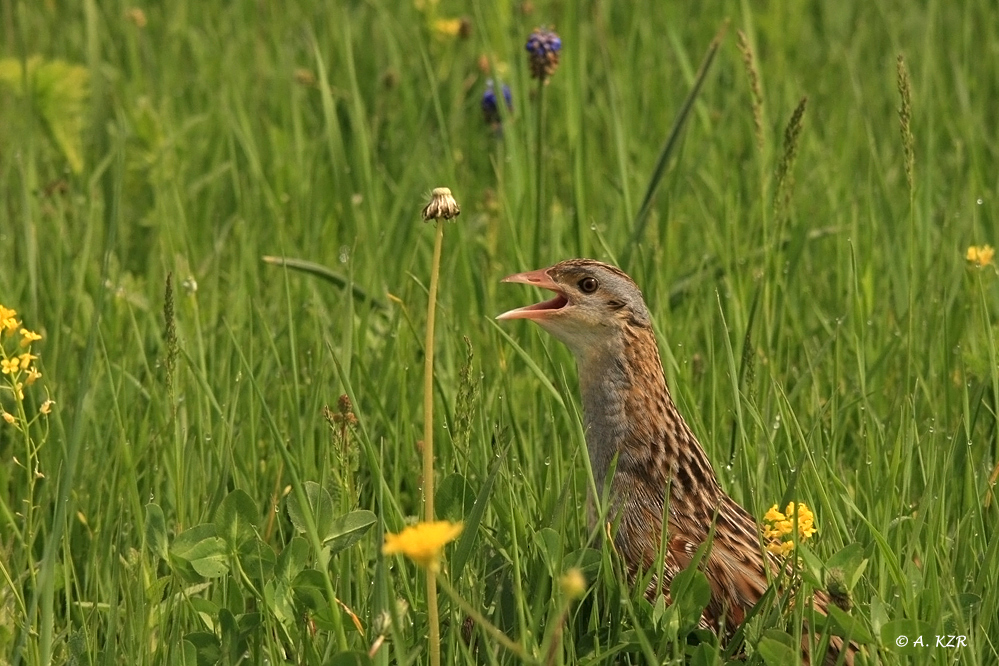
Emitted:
pixel 344 254
pixel 548 461
pixel 979 201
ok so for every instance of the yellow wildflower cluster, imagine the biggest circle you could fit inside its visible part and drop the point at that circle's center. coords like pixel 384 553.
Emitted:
pixel 422 543
pixel 778 527
pixel 980 256
pixel 15 364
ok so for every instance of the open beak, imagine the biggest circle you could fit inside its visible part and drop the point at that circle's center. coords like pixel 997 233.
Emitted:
pixel 538 278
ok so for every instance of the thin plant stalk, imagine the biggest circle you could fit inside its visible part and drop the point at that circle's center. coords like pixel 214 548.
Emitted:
pixel 428 440
pixel 539 170
pixel 487 626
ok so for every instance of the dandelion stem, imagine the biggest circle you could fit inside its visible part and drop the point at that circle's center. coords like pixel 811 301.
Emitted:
pixel 428 440
pixel 539 170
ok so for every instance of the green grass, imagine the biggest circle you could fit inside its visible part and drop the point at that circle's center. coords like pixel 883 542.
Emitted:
pixel 837 350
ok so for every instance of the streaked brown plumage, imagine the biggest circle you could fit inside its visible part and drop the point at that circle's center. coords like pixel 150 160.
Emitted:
pixel 599 313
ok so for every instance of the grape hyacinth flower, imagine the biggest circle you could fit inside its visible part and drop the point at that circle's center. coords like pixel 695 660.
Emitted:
pixel 543 46
pixel 490 107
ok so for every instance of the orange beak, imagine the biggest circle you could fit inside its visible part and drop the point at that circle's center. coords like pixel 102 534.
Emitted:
pixel 538 278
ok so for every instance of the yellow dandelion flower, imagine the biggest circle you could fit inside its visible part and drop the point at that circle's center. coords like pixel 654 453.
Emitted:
pixel 573 583
pixel 422 543
pixel 980 256
pixel 33 376
pixel 26 360
pixel 27 337
pixel 46 407
pixel 9 365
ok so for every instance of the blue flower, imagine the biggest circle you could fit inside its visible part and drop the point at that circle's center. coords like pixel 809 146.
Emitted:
pixel 490 109
pixel 543 46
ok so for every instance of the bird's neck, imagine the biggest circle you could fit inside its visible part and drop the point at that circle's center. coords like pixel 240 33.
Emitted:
pixel 628 412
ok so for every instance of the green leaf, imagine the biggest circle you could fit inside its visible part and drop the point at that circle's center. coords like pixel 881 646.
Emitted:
pixel 206 609
pixel 156 589
pixel 454 498
pixel 346 530
pixel 207 647
pixel 156 533
pixel 257 559
pixel 190 537
pixel 309 589
pixel 777 648
pixel 230 645
pixel 60 92
pixel 320 504
pixel 292 559
pixel 187 655
pixel 463 548
pixel 552 546
pixel 908 637
pixel 236 518
pixel 845 625
pixel 850 560
pixel 350 659
pixel 691 593
pixel 205 552
pixel 705 654
pixel 586 560
pixel 281 602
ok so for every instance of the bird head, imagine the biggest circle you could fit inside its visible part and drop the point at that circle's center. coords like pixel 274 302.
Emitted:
pixel 593 302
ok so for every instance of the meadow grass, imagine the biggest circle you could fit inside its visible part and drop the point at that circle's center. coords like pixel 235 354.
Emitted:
pixel 821 330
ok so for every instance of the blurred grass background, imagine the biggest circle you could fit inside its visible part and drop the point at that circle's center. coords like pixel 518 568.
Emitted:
pixel 191 139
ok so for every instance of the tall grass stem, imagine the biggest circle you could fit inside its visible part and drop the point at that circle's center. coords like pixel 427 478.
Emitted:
pixel 428 439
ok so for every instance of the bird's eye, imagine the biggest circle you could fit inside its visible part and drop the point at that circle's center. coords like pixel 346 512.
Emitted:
pixel 588 285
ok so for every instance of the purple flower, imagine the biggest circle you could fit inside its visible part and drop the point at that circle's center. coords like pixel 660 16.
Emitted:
pixel 490 108
pixel 543 46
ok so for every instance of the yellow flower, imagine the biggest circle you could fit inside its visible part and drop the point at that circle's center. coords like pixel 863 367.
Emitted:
pixel 9 418
pixel 46 407
pixel 7 320
pixel 33 376
pixel 783 549
pixel 773 515
pixel 980 256
pixel 9 365
pixel 573 583
pixel 27 337
pixel 26 360
pixel 447 27
pixel 780 525
pixel 423 542
pixel 9 324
